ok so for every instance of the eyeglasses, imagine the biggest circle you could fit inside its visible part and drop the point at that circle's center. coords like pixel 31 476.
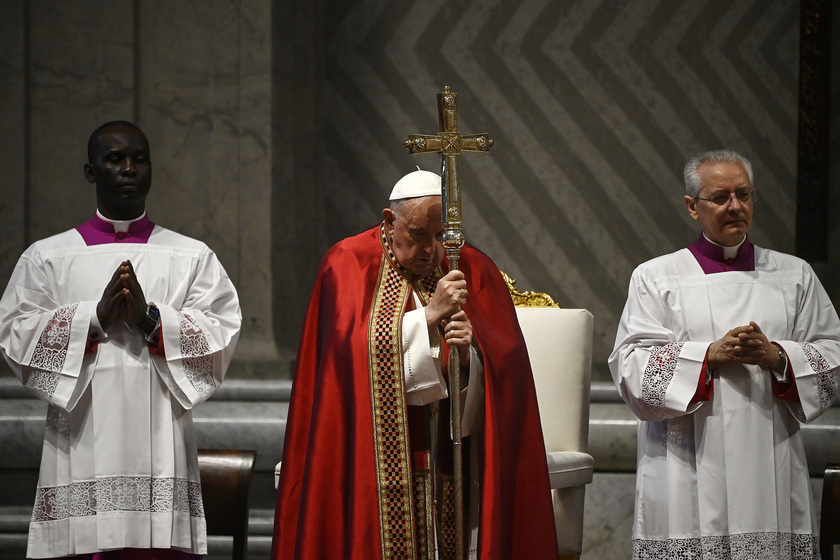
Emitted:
pixel 723 199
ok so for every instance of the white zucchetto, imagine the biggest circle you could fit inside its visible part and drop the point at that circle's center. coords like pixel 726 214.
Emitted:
pixel 417 183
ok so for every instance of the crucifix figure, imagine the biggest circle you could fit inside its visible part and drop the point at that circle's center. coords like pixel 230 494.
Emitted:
pixel 450 143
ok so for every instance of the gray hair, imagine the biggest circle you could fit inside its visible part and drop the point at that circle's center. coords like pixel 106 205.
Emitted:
pixel 406 204
pixel 692 178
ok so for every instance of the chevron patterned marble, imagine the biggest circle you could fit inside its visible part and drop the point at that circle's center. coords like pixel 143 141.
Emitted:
pixel 594 107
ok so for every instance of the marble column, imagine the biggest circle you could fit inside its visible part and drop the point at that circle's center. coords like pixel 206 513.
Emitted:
pixel 13 103
pixel 196 76
pixel 204 98
pixel 299 238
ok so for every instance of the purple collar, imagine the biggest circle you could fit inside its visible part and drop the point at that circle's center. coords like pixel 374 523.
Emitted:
pixel 710 256
pixel 99 232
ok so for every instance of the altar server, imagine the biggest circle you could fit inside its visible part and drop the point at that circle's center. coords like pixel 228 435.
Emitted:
pixel 723 351
pixel 121 326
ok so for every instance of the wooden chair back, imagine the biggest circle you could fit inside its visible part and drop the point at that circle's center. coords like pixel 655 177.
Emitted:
pixel 225 481
pixel 830 512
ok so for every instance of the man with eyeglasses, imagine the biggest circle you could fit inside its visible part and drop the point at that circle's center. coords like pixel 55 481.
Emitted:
pixel 723 350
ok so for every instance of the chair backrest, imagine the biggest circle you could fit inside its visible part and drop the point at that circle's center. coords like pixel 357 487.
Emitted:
pixel 830 512
pixel 225 481
pixel 559 345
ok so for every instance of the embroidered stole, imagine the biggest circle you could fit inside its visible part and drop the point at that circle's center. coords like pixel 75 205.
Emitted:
pixel 405 496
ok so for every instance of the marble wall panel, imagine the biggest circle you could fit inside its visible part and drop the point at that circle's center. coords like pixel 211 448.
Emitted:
pixel 204 99
pixel 277 129
pixel 81 67
pixel 13 103
pixel 832 270
pixel 196 77
pixel 594 108
pixel 301 215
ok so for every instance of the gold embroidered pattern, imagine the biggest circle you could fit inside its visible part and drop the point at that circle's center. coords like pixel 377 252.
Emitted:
pixel 446 517
pixel 390 429
pixel 423 507
pixel 390 425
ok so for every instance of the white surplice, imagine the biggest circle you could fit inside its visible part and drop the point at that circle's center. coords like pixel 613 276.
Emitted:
pixel 725 478
pixel 119 466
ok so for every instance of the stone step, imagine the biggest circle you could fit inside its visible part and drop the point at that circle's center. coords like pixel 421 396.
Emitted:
pixel 14 524
pixel 13 547
pixel 252 415
pixel 240 415
pixel 246 414
pixel 613 435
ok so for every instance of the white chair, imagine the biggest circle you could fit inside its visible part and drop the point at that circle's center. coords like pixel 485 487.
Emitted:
pixel 559 343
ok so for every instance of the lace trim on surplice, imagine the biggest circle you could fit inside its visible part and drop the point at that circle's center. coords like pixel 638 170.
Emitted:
pixel 746 546
pixel 118 494
pixel 658 374
pixel 826 389
pixel 197 358
pixel 50 353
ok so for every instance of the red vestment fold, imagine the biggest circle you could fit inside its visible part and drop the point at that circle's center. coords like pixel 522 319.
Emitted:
pixel 327 502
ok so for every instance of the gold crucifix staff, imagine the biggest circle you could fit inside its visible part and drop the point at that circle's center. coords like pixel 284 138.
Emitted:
pixel 450 143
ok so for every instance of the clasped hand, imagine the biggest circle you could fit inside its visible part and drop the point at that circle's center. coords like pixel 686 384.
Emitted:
pixel 444 310
pixel 744 345
pixel 123 294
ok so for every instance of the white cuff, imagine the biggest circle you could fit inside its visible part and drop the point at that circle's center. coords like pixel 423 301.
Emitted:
pixel 424 382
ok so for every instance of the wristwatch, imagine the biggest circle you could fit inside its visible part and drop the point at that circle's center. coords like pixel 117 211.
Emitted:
pixel 782 356
pixel 151 320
